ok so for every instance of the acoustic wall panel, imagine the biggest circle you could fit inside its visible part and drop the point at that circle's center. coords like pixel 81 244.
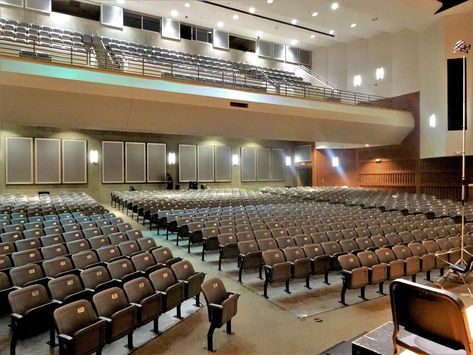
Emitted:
pixel 74 161
pixel 156 162
pixel 205 163
pixel 265 48
pixel 47 160
pixel 278 164
pixel 292 54
pixel 18 160
pixel 18 3
pixel 248 164
pixel 170 28
pixel 279 51
pixel 111 16
pixel 187 162
pixel 112 162
pixel 135 162
pixel 39 5
pixel 263 164
pixel 221 39
pixel 305 57
pixel 223 164
pixel 303 153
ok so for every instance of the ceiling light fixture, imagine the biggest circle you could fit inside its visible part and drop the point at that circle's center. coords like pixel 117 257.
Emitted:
pixel 252 10
pixel 353 25
pixel 269 1
pixel 332 32
pixel 174 13
pixel 293 42
pixel 312 36
pixel 187 4
pixel 294 21
pixel 259 34
pixel 121 2
pixel 315 14
pixel 334 5
pixel 235 17
pixel 220 24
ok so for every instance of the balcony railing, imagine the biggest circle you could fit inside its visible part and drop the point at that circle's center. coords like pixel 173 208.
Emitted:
pixel 233 78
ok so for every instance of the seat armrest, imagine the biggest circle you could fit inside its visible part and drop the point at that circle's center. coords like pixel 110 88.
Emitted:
pixel 108 320
pixel 16 316
pixel 65 337
pixel 137 305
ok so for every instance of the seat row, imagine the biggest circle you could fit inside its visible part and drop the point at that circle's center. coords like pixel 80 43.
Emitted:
pixel 123 298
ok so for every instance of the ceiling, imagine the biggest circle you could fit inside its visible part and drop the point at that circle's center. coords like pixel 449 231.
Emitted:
pixel 371 17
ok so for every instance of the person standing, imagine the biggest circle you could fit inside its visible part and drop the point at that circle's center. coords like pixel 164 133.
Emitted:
pixel 169 182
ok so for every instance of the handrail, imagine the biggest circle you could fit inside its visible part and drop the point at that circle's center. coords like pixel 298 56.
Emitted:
pixel 318 77
pixel 167 68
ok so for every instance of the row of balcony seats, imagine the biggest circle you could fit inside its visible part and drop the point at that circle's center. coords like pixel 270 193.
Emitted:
pixel 123 298
pixel 44 36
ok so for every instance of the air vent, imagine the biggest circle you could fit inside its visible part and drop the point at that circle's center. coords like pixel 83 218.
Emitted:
pixel 238 104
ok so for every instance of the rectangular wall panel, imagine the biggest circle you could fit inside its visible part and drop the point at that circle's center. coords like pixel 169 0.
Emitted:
pixel 156 161
pixel 187 162
pixel 170 28
pixel 112 162
pixel 135 159
pixel 18 160
pixel 221 39
pixel 205 163
pixel 18 3
pixel 278 164
pixel 74 161
pixel 39 5
pixel 263 164
pixel 223 164
pixel 303 153
pixel 248 164
pixel 47 161
pixel 111 16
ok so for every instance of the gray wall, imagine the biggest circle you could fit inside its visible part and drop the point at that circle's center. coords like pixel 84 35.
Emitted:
pixel 100 191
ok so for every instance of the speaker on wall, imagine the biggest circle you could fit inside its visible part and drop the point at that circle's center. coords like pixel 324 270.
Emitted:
pixel 455 94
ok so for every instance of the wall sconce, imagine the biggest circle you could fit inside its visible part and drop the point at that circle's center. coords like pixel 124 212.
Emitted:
pixel 93 157
pixel 235 160
pixel 377 161
pixel 172 158
pixel 297 159
pixel 288 161
pixel 432 120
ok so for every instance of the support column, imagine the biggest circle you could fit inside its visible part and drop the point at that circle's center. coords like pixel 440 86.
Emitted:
pixel 314 164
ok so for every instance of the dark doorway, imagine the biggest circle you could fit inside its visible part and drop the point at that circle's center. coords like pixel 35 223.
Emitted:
pixel 304 176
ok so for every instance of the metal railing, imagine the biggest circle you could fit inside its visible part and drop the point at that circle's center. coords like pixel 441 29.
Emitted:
pixel 318 77
pixel 189 72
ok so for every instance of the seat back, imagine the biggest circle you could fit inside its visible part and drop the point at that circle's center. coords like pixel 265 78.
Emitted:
pixel 431 313
pixel 348 261
pixel 93 277
pixel 214 291
pixel 26 298
pixel 272 257
pixel 183 269
pixel 163 254
pixel 57 265
pixel 138 289
pixel 74 316
pixel 367 258
pixel 385 255
pixel 109 301
pixel 118 269
pixel 162 279
pixel 293 253
pixel 63 286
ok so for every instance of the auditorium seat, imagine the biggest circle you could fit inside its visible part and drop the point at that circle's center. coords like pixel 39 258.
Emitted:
pixel 164 257
pixel 172 290
pixel 249 257
pixel 276 269
pixel 121 317
pixel 184 271
pixel 395 267
pixel 79 329
pixel 68 288
pixel 354 275
pixel 97 278
pixel 301 266
pixel 377 272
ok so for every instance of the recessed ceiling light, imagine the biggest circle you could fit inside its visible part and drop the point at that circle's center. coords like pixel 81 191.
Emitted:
pixel 294 21
pixel 332 32
pixel 220 24
pixel 334 5
pixel 174 13
pixel 187 4
pixel 353 25
pixel 252 10
pixel 312 36
pixel 367 145
pixel 294 42
pixel 259 34
pixel 269 1
pixel 121 1
pixel 315 13
pixel 235 17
